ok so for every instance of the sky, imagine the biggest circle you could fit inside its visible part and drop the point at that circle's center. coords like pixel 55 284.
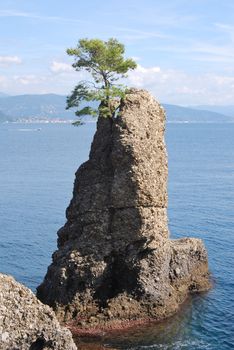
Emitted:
pixel 184 49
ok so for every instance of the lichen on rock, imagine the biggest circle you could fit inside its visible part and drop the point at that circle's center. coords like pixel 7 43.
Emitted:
pixel 115 261
pixel 27 324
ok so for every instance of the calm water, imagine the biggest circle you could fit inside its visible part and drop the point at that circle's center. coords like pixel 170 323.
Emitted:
pixel 36 178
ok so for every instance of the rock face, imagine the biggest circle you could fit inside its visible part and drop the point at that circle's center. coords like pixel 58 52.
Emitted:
pixel 27 324
pixel 115 261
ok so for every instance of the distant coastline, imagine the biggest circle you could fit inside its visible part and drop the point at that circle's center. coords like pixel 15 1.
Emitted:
pixel 40 121
pixel 51 109
pixel 63 121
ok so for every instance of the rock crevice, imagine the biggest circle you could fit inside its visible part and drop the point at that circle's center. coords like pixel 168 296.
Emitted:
pixel 115 260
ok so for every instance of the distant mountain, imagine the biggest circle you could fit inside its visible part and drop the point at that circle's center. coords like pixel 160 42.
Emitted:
pixel 184 114
pixel 227 110
pixel 48 106
pixel 52 106
pixel 4 117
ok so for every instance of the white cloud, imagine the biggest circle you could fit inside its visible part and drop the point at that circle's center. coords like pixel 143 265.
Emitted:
pixel 38 83
pixel 150 70
pixel 29 79
pixel 136 58
pixel 178 87
pixel 140 75
pixel 167 85
pixel 6 60
pixel 61 67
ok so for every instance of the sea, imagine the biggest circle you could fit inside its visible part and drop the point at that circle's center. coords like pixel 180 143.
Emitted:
pixel 37 167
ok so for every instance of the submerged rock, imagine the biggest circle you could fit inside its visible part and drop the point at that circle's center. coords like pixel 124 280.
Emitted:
pixel 115 261
pixel 27 324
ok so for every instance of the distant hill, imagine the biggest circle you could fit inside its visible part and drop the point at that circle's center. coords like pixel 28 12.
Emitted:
pixel 227 110
pixel 185 114
pixel 52 106
pixel 4 117
pixel 48 106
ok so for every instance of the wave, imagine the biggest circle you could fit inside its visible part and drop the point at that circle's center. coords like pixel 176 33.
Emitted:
pixel 177 345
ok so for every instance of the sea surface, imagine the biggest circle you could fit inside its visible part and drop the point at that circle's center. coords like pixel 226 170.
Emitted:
pixel 37 166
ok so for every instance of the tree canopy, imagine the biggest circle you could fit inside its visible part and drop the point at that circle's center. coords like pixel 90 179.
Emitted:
pixel 105 62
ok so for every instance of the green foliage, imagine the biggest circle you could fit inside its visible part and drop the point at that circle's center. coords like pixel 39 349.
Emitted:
pixel 105 62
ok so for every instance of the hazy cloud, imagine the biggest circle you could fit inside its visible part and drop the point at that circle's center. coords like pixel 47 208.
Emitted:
pixel 61 67
pixel 178 87
pixel 2 78
pixel 11 13
pixel 167 85
pixel 7 60
pixel 7 13
pixel 141 75
pixel 29 79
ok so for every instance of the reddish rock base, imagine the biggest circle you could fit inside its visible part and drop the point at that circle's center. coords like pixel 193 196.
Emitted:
pixel 110 327
pixel 81 328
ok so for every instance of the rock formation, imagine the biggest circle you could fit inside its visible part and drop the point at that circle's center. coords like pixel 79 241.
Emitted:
pixel 115 262
pixel 27 324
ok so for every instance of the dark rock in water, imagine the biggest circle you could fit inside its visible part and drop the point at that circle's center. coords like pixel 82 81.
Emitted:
pixel 115 262
pixel 27 324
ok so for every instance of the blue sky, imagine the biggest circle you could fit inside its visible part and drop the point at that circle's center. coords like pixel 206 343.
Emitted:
pixel 184 49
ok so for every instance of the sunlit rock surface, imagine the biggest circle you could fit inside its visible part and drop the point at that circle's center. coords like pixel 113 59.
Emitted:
pixel 115 262
pixel 27 324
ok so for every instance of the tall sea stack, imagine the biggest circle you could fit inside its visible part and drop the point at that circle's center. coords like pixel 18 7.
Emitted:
pixel 115 262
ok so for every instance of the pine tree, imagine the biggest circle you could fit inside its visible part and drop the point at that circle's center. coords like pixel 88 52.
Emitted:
pixel 105 62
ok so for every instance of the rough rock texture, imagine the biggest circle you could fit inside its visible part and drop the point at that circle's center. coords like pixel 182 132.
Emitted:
pixel 114 261
pixel 27 324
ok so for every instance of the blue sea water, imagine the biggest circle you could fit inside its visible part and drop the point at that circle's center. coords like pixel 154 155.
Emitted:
pixel 36 178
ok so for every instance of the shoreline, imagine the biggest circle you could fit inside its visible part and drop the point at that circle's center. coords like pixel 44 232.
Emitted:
pixel 115 326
